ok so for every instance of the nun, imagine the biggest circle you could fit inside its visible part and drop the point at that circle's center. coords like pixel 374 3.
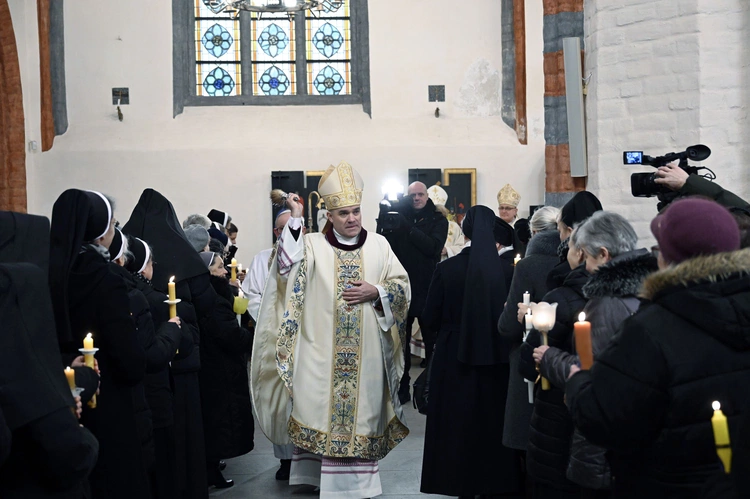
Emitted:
pixel 154 220
pixel 463 451
pixel 225 394
pixel 87 297
pixel 51 454
pixel 160 346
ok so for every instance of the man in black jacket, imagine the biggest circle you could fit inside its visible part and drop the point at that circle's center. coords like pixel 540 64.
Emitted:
pixel 417 242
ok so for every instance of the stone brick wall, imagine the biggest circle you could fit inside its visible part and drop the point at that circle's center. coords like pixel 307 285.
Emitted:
pixel 665 74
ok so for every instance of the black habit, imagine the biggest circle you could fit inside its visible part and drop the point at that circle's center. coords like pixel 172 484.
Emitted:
pixel 155 221
pixel 463 451
pixel 89 298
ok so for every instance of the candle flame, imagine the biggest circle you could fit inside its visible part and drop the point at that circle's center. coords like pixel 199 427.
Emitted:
pixel 716 405
pixel 88 335
pixel 171 279
pixel 68 368
pixel 518 256
pixel 581 317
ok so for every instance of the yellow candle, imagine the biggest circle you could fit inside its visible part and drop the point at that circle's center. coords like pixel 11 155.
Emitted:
pixel 234 269
pixel 582 333
pixel 172 298
pixel 71 375
pixel 517 259
pixel 721 437
pixel 88 344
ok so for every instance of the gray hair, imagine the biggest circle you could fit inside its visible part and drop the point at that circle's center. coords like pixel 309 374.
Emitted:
pixel 545 218
pixel 196 219
pixel 605 229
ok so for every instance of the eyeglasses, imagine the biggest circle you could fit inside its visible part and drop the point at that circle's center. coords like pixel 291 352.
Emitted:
pixel 506 208
pixel 655 251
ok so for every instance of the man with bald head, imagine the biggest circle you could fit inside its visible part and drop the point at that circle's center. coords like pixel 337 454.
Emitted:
pixel 417 242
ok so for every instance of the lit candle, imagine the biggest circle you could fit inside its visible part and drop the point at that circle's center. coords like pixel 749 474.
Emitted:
pixel 517 259
pixel 527 298
pixel 582 332
pixel 88 344
pixel 71 375
pixel 239 268
pixel 172 298
pixel 721 437
pixel 234 269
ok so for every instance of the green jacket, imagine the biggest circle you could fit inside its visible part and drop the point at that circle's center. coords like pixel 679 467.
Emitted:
pixel 697 185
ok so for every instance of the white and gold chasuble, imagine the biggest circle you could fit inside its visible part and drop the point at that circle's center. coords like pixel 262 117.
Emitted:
pixel 340 365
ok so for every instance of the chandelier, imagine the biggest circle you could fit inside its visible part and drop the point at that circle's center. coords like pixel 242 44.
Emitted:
pixel 274 6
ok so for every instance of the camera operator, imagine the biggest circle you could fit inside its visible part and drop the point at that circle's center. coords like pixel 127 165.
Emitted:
pixel 678 180
pixel 417 240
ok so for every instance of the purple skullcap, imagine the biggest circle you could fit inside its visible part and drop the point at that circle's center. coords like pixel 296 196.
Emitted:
pixel 695 227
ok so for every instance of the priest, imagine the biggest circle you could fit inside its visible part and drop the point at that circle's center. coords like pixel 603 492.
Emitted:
pixel 327 357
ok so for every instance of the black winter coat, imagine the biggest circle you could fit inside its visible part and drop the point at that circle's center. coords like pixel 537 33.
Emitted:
pixel 530 275
pixel 648 397
pixel 225 392
pixel 49 458
pixel 158 389
pixel 551 428
pixel 613 297
pixel 98 303
pixel 160 349
pixel 417 245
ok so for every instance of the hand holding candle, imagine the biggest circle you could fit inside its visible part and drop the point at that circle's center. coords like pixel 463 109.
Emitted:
pixel 543 317
pixel 582 332
pixel 721 437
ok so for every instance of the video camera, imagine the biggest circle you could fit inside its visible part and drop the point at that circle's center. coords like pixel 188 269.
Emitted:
pixel 644 184
pixel 390 213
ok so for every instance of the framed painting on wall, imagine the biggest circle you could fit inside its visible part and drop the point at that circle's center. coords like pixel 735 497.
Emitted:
pixel 461 186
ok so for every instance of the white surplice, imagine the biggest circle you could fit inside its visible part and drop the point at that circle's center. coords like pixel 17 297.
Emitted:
pixel 340 365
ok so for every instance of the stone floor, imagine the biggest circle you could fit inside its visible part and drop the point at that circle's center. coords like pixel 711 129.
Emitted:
pixel 400 471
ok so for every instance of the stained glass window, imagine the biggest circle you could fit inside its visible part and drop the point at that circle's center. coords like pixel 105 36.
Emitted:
pixel 274 55
pixel 218 63
pixel 305 57
pixel 329 49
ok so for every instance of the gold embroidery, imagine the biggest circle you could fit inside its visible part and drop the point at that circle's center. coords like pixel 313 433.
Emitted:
pixel 290 326
pixel 374 447
pixel 346 355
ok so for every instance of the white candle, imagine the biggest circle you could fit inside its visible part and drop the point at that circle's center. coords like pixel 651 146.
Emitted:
pixel 529 321
pixel 526 298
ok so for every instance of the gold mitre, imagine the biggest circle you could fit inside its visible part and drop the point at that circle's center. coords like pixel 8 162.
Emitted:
pixel 508 196
pixel 438 195
pixel 341 187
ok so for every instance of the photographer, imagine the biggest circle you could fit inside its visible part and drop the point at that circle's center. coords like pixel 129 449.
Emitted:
pixel 678 180
pixel 417 240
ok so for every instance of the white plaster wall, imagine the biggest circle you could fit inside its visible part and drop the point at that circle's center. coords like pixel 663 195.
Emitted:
pixel 221 157
pixel 666 74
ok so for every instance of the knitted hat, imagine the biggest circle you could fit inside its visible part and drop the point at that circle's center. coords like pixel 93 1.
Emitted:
pixel 197 236
pixel 695 227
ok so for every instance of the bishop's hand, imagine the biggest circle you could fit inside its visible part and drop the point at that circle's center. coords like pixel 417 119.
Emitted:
pixel 295 205
pixel 360 292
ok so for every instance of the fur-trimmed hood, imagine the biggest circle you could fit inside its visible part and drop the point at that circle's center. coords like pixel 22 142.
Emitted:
pixel 544 243
pixel 622 276
pixel 712 292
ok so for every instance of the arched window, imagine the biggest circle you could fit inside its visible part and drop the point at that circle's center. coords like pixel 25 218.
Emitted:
pixel 243 58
